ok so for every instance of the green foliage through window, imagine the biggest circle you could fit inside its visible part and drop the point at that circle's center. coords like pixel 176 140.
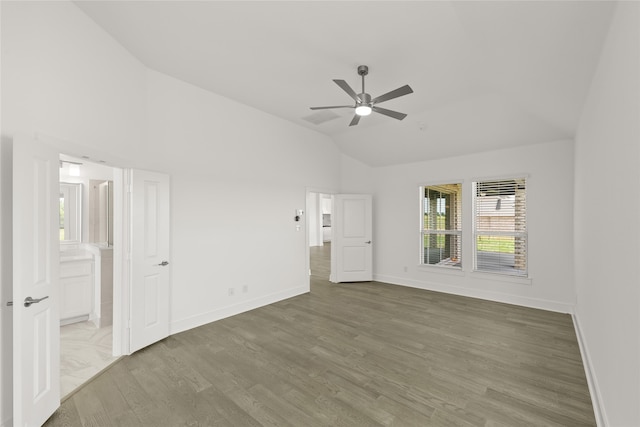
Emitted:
pixel 442 225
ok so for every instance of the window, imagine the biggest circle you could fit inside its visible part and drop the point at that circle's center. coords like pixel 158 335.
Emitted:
pixel 70 212
pixel 500 226
pixel 441 233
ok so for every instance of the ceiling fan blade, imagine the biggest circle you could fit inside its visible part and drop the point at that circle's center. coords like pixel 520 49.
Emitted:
pixel 333 106
pixel 345 87
pixel 355 120
pixel 404 90
pixel 390 113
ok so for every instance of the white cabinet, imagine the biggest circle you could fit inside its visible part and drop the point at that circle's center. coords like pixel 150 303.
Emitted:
pixel 76 290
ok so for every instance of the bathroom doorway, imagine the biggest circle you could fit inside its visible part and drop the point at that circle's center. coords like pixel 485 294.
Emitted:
pixel 86 270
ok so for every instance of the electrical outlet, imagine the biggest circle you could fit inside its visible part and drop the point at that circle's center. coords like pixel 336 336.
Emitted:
pixel 231 292
pixel 245 289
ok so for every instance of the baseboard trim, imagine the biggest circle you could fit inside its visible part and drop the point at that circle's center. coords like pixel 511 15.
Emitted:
pixel 232 310
pixel 541 304
pixel 592 381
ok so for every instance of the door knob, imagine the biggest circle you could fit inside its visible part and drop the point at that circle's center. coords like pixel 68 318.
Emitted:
pixel 9 303
pixel 368 242
pixel 164 263
pixel 28 300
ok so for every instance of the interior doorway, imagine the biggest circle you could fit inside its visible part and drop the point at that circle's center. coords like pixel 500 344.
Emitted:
pixel 86 270
pixel 319 210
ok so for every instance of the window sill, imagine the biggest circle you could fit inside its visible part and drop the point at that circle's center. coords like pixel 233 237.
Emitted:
pixel 441 269
pixel 502 278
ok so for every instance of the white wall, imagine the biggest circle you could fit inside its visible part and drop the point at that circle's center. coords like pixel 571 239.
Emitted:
pixel 63 76
pixel 314 219
pixel 357 178
pixel 607 222
pixel 549 167
pixel 237 174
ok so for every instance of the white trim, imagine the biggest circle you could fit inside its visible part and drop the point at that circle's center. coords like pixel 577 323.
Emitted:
pixel 69 321
pixel 6 285
pixel 121 261
pixel 441 182
pixel 592 381
pixel 501 177
pixel 232 310
pixel 320 190
pixel 80 151
pixel 445 232
pixel 441 269
pixel 542 304
pixel 502 277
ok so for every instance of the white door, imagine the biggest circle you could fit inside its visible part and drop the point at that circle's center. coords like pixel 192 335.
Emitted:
pixel 150 269
pixel 36 326
pixel 351 249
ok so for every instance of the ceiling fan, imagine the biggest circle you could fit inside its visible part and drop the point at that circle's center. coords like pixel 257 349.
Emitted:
pixel 364 104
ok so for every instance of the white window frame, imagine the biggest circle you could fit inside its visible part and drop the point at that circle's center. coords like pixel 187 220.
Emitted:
pixel 424 231
pixel 516 234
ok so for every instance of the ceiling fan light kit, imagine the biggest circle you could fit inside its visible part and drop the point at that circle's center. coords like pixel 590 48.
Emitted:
pixel 364 105
pixel 363 110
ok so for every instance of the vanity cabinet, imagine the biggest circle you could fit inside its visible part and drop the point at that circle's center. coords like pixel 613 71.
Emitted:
pixel 76 290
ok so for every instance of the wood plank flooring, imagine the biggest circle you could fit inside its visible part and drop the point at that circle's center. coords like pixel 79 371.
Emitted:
pixel 321 260
pixel 358 354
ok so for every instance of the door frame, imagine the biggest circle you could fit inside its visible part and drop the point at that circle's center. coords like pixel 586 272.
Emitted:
pixel 121 232
pixel 308 230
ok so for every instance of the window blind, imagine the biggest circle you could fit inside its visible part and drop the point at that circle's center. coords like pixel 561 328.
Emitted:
pixel 500 226
pixel 441 232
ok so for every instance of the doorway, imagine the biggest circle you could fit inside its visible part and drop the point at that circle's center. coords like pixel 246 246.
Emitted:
pixel 86 270
pixel 140 199
pixel 319 208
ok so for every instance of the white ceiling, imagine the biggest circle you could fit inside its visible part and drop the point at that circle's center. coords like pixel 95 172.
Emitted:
pixel 485 74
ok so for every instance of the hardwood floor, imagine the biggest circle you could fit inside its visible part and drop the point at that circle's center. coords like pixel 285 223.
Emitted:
pixel 358 354
pixel 321 260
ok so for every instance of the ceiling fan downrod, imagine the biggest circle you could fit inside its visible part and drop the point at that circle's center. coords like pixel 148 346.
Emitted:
pixel 363 70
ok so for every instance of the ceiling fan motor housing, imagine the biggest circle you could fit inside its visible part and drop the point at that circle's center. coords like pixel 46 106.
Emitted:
pixel 365 98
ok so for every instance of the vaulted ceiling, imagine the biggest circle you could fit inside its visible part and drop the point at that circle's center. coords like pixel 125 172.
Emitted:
pixel 485 74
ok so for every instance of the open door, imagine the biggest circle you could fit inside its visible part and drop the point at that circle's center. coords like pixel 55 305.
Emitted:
pixel 36 320
pixel 150 270
pixel 351 249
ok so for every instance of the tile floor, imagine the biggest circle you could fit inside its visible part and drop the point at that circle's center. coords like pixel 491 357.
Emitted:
pixel 84 351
